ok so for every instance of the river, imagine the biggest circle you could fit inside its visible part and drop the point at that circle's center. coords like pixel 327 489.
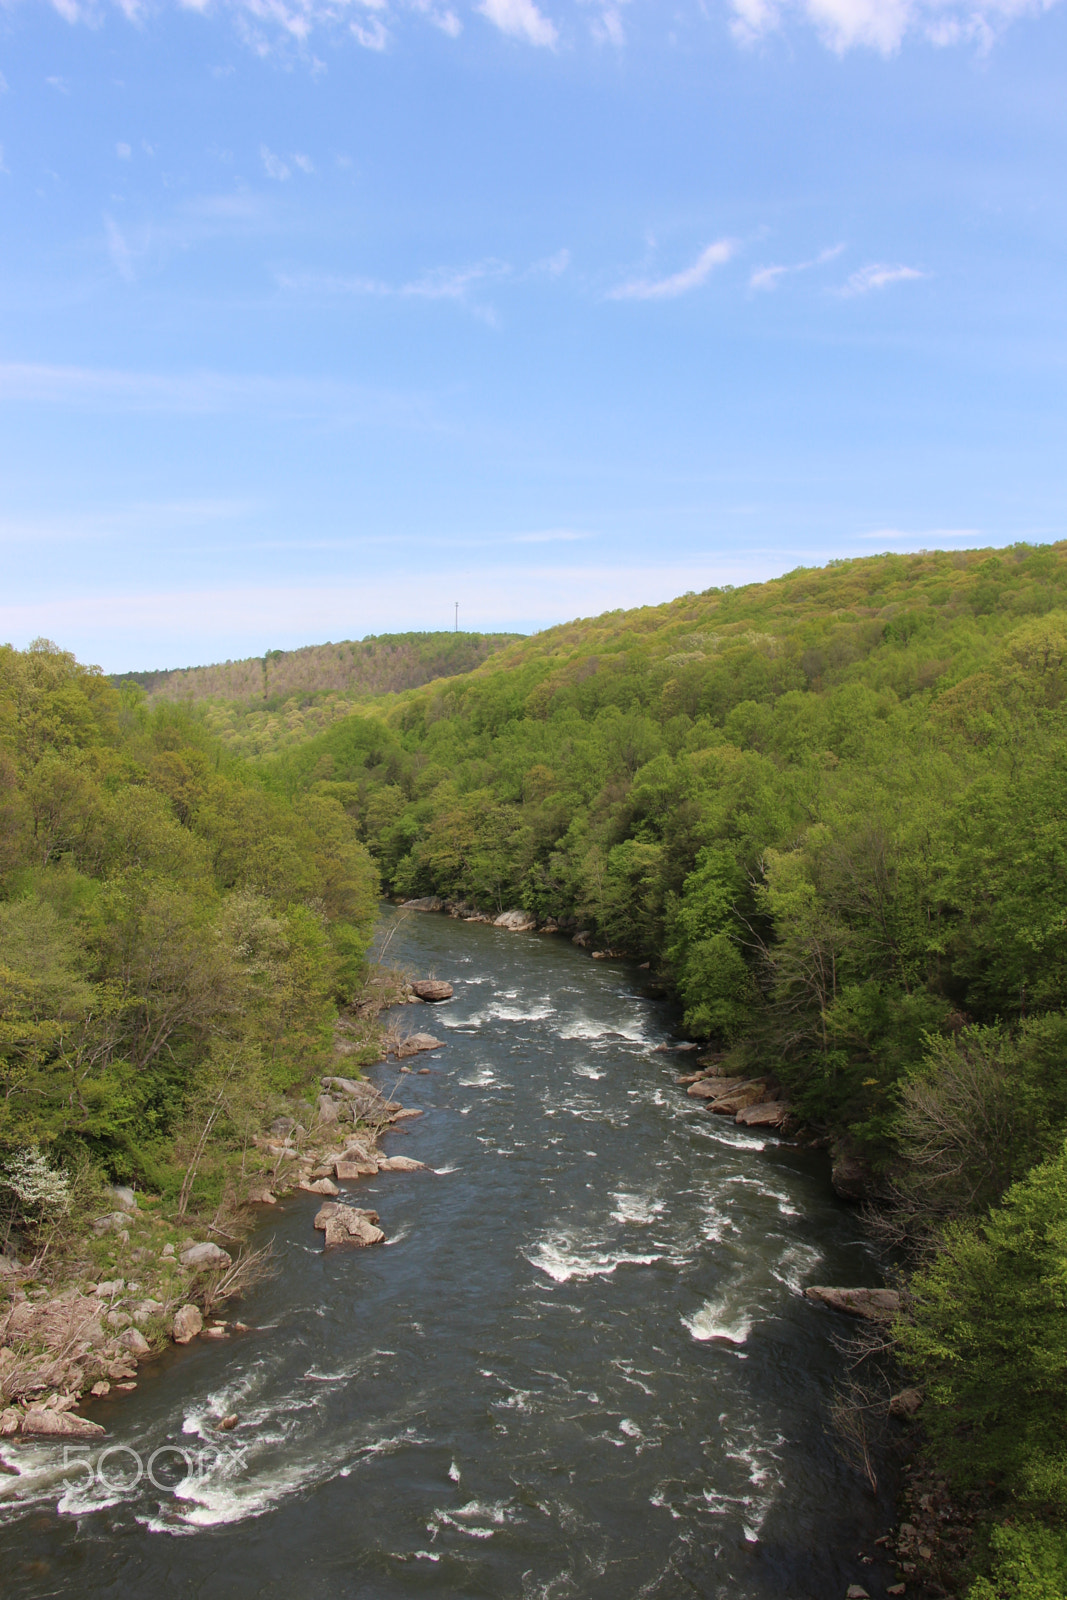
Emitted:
pixel 582 1366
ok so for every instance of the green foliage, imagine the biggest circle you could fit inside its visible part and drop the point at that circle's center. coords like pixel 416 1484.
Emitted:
pixel 158 906
pixel 1029 1563
pixel 987 1335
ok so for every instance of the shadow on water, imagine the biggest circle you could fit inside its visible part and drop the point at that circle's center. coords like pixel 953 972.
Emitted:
pixel 581 1367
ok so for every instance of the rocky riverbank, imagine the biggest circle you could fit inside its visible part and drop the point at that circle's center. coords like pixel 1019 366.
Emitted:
pixel 145 1280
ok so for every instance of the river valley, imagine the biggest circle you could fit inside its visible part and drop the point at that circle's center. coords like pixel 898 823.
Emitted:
pixel 582 1366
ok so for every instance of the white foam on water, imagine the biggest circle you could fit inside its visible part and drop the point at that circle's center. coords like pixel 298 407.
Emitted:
pixel 585 1071
pixel 586 1028
pixel 658 1499
pixel 627 1371
pixel 562 1258
pixel 471 1519
pixel 630 1429
pixel 795 1264
pixel 715 1320
pixel 443 1172
pixel 454 1473
pixel 640 1209
pixel 483 1077
pixel 495 1012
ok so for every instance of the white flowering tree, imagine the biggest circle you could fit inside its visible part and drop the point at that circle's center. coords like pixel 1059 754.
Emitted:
pixel 39 1193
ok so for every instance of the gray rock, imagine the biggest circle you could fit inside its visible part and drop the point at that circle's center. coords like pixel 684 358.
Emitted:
pixel 114 1222
pixel 515 921
pixel 205 1257
pixel 432 989
pixel 400 1164
pixel 281 1126
pixel 136 1343
pixel 346 1225
pixel 42 1422
pixel 110 1287
pixel 771 1114
pixel 876 1305
pixel 343 1085
pixel 414 1043
pixel 123 1197
pixel 187 1324
pixel 429 902
pixel 329 1109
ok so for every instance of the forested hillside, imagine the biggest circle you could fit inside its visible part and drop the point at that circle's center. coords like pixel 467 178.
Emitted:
pixel 265 703
pixel 175 938
pixel 830 810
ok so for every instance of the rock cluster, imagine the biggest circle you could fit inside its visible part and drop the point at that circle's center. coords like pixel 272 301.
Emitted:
pixel 343 1224
pixel 752 1102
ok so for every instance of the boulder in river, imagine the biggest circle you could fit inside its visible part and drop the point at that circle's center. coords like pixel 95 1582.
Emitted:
pixel 515 921
pixel 187 1324
pixel 347 1225
pixel 400 1164
pixel 43 1422
pixel 345 1170
pixel 320 1186
pixel 432 989
pixel 416 1042
pixel 714 1088
pixel 206 1257
pixel 876 1305
pixel 768 1114
pixel 428 902
pixel 739 1099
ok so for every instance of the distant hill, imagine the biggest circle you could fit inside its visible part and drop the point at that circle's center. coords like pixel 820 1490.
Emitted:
pixel 381 664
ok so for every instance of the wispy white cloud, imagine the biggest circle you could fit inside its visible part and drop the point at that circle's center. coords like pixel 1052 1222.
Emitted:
pixel 123 151
pixel 879 276
pixel 372 34
pixel 305 163
pixel 273 165
pixel 270 27
pixel 522 20
pixel 607 27
pixel 441 283
pixel 770 277
pixel 119 250
pixel 883 25
pixel 716 255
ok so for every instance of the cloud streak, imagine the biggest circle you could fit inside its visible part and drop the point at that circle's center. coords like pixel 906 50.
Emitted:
pixel 770 277
pixel 879 276
pixel 678 283
pixel 883 25
pixel 521 19
pixel 278 26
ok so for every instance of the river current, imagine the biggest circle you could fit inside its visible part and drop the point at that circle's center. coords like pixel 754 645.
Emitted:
pixel 581 1367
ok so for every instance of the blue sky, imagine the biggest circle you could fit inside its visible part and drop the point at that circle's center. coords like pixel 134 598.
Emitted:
pixel 317 316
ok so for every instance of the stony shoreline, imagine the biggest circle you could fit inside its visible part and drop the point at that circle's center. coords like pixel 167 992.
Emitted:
pixel 147 1282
